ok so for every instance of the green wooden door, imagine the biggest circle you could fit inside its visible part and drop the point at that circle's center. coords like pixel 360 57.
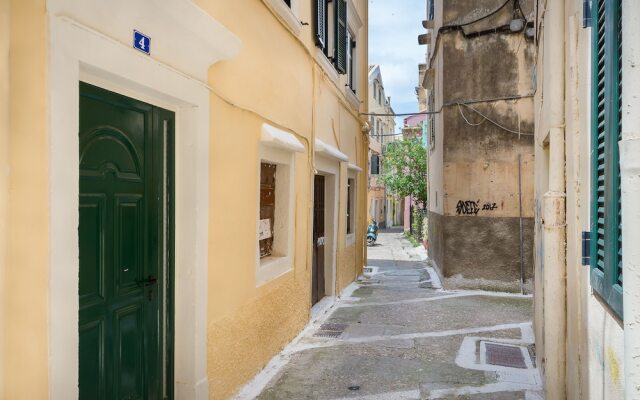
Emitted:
pixel 125 245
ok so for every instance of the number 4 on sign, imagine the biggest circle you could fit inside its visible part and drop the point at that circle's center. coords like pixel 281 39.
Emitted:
pixel 141 42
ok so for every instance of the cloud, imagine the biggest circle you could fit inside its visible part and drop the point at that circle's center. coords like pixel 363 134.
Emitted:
pixel 394 26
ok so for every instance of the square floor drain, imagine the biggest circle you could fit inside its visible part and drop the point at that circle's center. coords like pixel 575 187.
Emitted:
pixel 505 355
pixel 331 330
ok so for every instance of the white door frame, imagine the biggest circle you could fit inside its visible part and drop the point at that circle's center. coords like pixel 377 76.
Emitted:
pixel 76 52
pixel 330 169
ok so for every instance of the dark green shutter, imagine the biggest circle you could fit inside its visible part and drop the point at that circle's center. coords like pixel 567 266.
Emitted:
pixel 321 23
pixel 375 164
pixel 606 241
pixel 340 48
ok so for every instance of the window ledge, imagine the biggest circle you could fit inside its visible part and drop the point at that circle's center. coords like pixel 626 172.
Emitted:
pixel 272 267
pixel 285 15
pixel 354 167
pixel 274 137
pixel 326 65
pixel 352 98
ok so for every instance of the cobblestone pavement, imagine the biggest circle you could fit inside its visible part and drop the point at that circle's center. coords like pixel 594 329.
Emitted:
pixel 395 334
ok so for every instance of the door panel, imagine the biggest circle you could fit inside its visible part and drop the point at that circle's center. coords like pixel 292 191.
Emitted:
pixel 92 213
pixel 129 356
pixel 129 229
pixel 124 179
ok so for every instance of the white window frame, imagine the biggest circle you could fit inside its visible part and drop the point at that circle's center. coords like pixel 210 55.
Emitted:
pixel 290 17
pixel 352 175
pixel 277 147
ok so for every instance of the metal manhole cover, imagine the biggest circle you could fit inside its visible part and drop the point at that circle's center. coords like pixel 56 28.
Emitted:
pixel 504 355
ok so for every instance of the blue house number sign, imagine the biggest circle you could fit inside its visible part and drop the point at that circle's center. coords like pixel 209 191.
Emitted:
pixel 141 42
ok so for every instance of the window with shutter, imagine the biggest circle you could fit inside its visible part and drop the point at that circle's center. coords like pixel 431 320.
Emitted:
pixel 321 23
pixel 351 62
pixel 341 39
pixel 606 236
pixel 375 165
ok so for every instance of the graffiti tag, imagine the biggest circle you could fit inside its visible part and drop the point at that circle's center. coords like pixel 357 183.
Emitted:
pixel 489 206
pixel 468 207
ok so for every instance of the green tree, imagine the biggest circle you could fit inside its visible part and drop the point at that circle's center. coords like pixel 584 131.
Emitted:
pixel 405 170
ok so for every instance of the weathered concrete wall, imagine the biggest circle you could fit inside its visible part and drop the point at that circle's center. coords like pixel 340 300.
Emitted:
pixel 436 239
pixel 483 83
pixel 486 248
pixel 481 176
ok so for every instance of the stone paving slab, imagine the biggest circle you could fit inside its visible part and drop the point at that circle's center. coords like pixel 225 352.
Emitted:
pixel 404 342
pixel 445 314
pixel 377 368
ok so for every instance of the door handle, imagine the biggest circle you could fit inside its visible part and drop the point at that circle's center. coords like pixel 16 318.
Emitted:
pixel 150 281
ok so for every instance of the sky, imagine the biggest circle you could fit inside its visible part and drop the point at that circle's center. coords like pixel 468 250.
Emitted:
pixel 394 26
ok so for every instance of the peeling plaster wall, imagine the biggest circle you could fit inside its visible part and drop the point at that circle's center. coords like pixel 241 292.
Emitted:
pixel 474 163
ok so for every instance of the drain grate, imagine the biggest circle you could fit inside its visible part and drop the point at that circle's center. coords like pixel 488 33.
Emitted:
pixel 504 355
pixel 331 330
pixel 328 334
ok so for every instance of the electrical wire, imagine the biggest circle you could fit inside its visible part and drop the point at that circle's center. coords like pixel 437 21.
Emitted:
pixel 460 105
pixel 465 117
pixel 518 132
pixel 452 103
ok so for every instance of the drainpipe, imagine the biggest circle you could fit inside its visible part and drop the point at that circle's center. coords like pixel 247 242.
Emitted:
pixel 630 176
pixel 555 303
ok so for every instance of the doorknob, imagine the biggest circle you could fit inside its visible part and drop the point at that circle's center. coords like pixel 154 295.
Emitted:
pixel 150 281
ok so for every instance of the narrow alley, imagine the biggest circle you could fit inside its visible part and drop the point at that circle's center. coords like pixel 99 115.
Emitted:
pixel 395 334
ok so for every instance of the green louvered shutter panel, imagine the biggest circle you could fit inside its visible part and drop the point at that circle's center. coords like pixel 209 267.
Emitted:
pixel 321 23
pixel 606 241
pixel 340 57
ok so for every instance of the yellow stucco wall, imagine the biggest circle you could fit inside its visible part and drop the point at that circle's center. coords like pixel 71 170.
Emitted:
pixel 4 168
pixel 26 276
pixel 276 80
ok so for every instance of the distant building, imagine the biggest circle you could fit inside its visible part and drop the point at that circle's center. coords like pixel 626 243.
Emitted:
pixel 478 82
pixel 384 208
pixel 414 127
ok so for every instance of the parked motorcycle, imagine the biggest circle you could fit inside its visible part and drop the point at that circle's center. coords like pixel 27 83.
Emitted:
pixel 372 233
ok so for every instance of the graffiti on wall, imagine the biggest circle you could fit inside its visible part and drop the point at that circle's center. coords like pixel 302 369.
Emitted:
pixel 470 207
pixel 489 206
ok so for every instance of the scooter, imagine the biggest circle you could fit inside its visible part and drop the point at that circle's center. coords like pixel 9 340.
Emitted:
pixel 372 233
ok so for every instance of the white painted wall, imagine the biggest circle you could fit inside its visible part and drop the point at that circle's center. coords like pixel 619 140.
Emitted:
pixel 630 170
